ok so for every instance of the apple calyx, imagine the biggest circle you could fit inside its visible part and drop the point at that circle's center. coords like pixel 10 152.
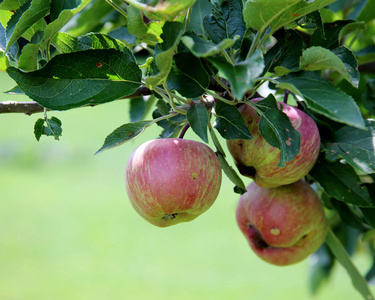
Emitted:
pixel 169 216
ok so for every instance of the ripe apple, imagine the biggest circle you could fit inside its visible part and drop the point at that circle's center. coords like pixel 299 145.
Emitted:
pixel 258 160
pixel 169 181
pixel 283 225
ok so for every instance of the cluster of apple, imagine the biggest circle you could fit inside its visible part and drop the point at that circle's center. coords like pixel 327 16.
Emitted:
pixel 174 180
pixel 280 215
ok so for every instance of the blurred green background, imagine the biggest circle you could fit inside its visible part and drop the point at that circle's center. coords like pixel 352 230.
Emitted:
pixel 67 230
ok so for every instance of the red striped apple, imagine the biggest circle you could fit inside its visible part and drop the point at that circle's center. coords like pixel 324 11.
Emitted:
pixel 258 160
pixel 169 181
pixel 283 225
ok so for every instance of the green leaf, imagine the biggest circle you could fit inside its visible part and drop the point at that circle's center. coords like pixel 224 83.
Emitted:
pixel 231 173
pixel 278 131
pixel 274 14
pixel 137 109
pixel 200 9
pixel 67 43
pixel 240 75
pixel 166 10
pixel 28 14
pixel 369 214
pixel 350 62
pixel 86 77
pixel 4 61
pixel 39 128
pixel 230 123
pixel 204 48
pixel 53 127
pixel 163 57
pixel 149 33
pixel 171 126
pixel 57 6
pixel 319 58
pixel 64 17
pixel 285 54
pixel 225 22
pixel 124 134
pixel 367 13
pixel 354 145
pixel 331 37
pixel 198 118
pixel 11 4
pixel 321 264
pixel 323 97
pixel 342 256
pixel 28 60
pixel 189 76
pixel 342 183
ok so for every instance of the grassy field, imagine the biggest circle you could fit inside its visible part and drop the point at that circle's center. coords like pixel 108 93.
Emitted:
pixel 67 230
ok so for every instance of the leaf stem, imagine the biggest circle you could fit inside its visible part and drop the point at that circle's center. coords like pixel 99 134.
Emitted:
pixel 183 131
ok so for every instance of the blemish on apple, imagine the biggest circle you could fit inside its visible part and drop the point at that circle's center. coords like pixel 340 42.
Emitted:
pixel 275 231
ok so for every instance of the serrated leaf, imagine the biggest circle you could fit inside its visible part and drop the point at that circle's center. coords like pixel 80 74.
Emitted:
pixel 231 173
pixel 204 48
pixel 323 97
pixel 39 128
pixel 124 134
pixel 342 183
pixel 278 131
pixel 28 14
pixel 274 14
pixel 75 79
pixel 342 256
pixel 340 60
pixel 198 118
pixel 230 123
pixel 53 127
pixel 240 75
pixel 67 43
pixel 225 22
pixel 354 145
pixel 163 57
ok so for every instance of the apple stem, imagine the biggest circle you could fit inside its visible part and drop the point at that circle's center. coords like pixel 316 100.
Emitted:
pixel 183 131
pixel 286 95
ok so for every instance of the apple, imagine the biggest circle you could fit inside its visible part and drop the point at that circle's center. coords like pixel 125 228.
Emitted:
pixel 283 225
pixel 258 160
pixel 173 180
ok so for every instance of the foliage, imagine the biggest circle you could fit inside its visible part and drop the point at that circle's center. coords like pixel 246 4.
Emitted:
pixel 195 61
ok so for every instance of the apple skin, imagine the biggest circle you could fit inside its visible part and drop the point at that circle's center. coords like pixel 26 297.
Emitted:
pixel 258 160
pixel 169 181
pixel 283 225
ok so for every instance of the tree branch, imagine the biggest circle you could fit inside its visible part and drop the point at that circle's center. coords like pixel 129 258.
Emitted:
pixel 32 107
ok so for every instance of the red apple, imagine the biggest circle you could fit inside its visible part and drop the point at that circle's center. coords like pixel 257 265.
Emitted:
pixel 258 160
pixel 283 225
pixel 169 181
